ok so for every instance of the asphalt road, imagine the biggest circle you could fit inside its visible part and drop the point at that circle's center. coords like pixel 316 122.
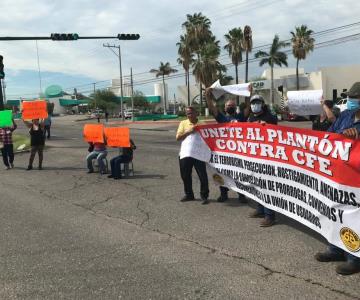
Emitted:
pixel 65 234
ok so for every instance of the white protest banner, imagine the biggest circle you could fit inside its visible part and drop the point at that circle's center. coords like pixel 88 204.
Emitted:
pixel 309 176
pixel 242 89
pixel 194 146
pixel 304 103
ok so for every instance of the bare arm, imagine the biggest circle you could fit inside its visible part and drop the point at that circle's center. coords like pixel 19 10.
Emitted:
pixel 183 135
pixel 329 113
pixel 210 103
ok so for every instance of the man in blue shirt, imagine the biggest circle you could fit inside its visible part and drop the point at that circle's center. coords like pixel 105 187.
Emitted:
pixel 348 124
pixel 229 116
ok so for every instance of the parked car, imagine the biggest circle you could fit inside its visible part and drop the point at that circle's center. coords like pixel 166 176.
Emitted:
pixel 129 113
pixel 98 113
pixel 342 104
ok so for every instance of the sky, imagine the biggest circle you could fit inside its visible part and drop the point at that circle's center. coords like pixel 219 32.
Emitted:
pixel 79 64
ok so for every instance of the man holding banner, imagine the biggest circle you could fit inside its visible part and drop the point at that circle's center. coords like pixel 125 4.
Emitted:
pixel 185 132
pixel 124 158
pixel 347 124
pixel 7 149
pixel 229 116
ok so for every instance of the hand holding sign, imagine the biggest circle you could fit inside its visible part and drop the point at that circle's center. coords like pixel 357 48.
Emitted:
pixel 243 89
pixel 94 133
pixel 34 110
pixel 304 103
pixel 118 136
pixel 6 118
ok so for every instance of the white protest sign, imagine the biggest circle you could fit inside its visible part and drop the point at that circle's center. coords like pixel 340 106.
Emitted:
pixel 305 103
pixel 242 89
pixel 194 146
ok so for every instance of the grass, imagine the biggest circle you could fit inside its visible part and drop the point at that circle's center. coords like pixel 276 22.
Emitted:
pixel 20 140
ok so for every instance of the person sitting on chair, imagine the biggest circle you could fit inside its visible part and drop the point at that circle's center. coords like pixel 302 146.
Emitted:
pixel 124 158
pixel 98 152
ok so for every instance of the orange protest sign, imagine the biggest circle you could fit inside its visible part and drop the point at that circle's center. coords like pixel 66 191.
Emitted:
pixel 34 110
pixel 117 136
pixel 93 133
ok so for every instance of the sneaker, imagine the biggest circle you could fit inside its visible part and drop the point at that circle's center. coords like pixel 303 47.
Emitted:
pixel 110 176
pixel 267 222
pixel 7 168
pixel 348 268
pixel 187 198
pixel 29 168
pixel 40 168
pixel 256 214
pixel 328 256
pixel 116 178
pixel 205 200
pixel 222 198
pixel 12 165
pixel 242 198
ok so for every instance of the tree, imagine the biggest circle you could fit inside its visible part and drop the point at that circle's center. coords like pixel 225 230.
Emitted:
pixel 140 100
pixel 164 70
pixel 274 57
pixel 247 45
pixel 104 99
pixel 185 59
pixel 197 28
pixel 302 44
pixel 234 47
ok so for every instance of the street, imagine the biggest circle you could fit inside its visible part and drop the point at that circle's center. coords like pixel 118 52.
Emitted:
pixel 65 234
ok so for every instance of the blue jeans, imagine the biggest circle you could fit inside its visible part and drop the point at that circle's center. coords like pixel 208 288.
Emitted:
pixel 98 155
pixel 116 162
pixel 349 257
pixel 265 211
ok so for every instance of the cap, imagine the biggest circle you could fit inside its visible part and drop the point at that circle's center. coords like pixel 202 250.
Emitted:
pixel 256 97
pixel 354 91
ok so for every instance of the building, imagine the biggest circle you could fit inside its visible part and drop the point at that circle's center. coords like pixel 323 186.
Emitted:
pixel 332 80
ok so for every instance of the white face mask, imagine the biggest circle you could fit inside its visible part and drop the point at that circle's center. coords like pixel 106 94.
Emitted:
pixel 256 108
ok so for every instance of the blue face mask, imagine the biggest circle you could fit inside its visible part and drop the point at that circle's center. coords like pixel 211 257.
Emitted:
pixel 256 108
pixel 353 103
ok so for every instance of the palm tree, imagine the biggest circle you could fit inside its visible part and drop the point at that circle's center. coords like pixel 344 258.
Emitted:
pixel 185 59
pixel 164 70
pixel 302 44
pixel 197 28
pixel 274 57
pixel 235 49
pixel 247 46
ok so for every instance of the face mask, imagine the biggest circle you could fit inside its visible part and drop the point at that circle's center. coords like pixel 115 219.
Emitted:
pixel 353 104
pixel 230 110
pixel 256 108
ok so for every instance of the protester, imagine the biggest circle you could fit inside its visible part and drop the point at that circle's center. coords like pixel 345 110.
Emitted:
pixel 259 112
pixel 7 148
pixel 98 152
pixel 37 141
pixel 106 116
pixel 348 124
pixel 47 124
pixel 186 128
pixel 124 158
pixel 323 121
pixel 229 116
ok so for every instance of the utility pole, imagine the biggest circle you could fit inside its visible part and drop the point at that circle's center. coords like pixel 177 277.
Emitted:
pixel 2 76
pixel 132 94
pixel 94 94
pixel 121 81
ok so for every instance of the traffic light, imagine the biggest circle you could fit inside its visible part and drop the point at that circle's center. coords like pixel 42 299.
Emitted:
pixel 64 36
pixel 2 73
pixel 128 36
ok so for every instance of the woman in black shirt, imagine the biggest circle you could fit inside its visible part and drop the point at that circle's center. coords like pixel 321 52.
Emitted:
pixel 37 141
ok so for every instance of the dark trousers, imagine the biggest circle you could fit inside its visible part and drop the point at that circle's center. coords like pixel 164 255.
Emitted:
pixel 186 166
pixel 39 149
pixel 8 154
pixel 116 162
pixel 47 131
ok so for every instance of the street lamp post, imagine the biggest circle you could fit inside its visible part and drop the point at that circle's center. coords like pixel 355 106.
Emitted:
pixel 121 87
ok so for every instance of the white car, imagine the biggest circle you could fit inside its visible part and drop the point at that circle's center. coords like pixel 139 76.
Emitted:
pixel 129 113
pixel 342 104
